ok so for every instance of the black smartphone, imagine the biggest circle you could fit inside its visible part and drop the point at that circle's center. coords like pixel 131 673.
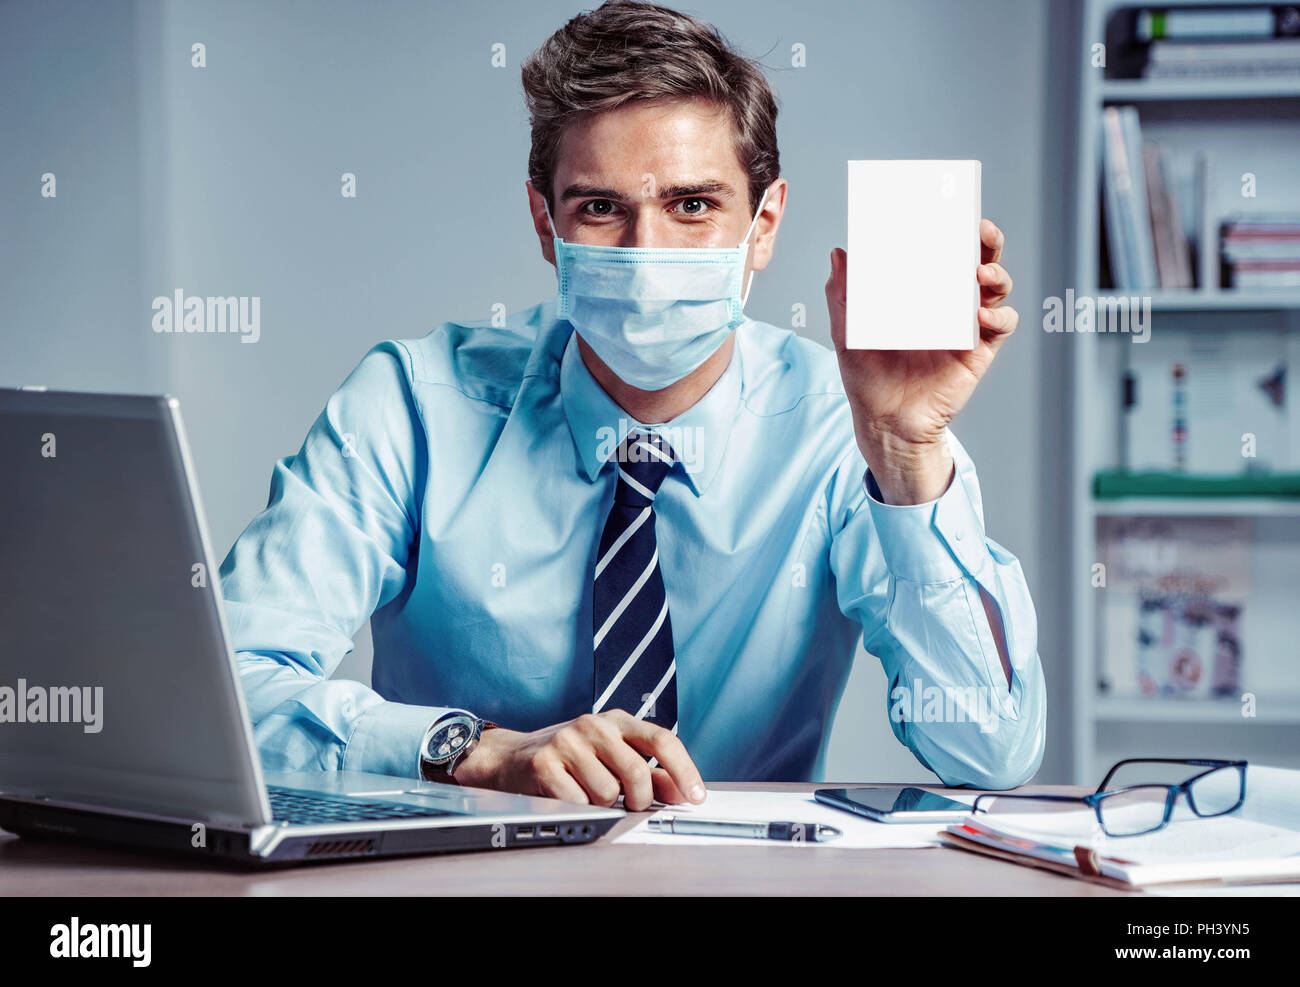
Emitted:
pixel 894 804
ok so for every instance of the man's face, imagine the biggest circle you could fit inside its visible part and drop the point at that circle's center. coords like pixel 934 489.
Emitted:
pixel 652 175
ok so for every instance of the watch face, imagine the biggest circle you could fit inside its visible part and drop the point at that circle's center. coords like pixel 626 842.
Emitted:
pixel 450 738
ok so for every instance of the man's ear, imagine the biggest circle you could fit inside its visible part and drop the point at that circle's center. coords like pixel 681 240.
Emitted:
pixel 769 220
pixel 545 235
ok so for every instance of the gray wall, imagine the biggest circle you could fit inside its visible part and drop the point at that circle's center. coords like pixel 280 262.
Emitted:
pixel 225 181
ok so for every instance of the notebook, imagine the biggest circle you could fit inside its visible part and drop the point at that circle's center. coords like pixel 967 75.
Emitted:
pixel 1257 844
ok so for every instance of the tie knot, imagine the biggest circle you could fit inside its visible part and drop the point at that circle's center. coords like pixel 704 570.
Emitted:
pixel 644 459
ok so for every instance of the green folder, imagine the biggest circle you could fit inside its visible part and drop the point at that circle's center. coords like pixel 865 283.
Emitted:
pixel 1111 484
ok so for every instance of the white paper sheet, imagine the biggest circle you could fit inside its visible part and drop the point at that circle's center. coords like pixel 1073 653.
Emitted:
pixel 858 833
pixel 1225 891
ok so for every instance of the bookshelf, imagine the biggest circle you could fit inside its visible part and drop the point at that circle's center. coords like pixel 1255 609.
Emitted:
pixel 1196 507
pixel 1239 124
pixel 1223 300
pixel 1139 91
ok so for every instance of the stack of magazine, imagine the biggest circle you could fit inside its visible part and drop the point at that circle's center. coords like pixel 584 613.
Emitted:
pixel 1262 252
pixel 1172 607
pixel 1223 59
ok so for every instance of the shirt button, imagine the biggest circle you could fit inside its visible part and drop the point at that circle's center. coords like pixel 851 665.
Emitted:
pixel 958 535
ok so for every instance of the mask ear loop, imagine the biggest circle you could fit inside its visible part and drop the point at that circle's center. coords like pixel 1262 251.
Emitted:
pixel 749 281
pixel 546 206
pixel 757 213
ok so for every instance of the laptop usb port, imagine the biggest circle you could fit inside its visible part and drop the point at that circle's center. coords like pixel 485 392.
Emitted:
pixel 547 831
pixel 524 833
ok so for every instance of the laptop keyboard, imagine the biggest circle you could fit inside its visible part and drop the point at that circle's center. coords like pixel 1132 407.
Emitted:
pixel 305 808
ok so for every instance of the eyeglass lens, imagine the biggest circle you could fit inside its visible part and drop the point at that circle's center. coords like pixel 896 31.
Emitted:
pixel 1141 809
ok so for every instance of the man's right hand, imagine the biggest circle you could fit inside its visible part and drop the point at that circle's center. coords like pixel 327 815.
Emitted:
pixel 592 760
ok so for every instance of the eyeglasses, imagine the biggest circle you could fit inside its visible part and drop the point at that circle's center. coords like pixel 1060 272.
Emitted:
pixel 1134 810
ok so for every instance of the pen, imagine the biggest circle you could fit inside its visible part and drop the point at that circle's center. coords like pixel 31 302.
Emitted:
pixel 792 832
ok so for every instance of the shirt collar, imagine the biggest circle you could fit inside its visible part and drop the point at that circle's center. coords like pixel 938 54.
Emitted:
pixel 698 436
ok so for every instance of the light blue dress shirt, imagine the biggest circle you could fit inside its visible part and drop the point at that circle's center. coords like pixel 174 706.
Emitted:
pixel 453 492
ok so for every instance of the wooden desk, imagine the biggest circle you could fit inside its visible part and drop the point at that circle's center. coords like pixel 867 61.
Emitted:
pixel 40 868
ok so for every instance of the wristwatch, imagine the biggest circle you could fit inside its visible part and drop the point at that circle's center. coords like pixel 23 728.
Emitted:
pixel 450 738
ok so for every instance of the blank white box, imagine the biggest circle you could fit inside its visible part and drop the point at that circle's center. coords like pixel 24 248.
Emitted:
pixel 913 245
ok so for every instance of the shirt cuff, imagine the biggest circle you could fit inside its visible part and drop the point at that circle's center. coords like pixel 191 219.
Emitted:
pixel 932 542
pixel 387 738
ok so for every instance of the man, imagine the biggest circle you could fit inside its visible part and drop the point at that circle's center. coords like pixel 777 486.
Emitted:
pixel 635 527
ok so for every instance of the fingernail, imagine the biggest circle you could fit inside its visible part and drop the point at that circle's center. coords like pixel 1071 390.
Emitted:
pixel 697 793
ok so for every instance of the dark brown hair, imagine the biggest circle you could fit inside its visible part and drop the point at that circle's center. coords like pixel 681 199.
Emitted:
pixel 627 50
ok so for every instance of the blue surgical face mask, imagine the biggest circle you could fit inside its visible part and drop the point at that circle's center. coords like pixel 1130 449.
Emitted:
pixel 652 314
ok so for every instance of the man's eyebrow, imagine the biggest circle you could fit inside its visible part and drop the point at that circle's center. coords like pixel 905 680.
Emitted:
pixel 705 187
pixel 589 192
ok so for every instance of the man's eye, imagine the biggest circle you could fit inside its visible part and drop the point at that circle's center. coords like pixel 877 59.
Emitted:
pixel 694 207
pixel 598 207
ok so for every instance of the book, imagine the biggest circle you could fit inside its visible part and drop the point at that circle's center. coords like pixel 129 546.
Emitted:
pixel 1265 275
pixel 1261 252
pixel 1257 843
pixel 1173 256
pixel 1128 216
pixel 1189 645
pixel 1186 177
pixel 1140 212
pixel 1115 183
pixel 1174 60
pixel 1261 21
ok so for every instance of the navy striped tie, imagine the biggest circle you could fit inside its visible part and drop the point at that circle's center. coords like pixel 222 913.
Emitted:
pixel 635 667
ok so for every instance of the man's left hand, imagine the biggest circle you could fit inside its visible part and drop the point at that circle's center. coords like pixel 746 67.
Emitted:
pixel 903 400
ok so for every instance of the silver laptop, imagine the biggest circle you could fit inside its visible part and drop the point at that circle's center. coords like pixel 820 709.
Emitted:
pixel 121 714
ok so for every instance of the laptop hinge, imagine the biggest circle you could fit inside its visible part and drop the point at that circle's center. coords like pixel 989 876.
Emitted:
pixel 263 839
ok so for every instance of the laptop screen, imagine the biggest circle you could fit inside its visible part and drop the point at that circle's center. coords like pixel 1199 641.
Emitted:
pixel 116 683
